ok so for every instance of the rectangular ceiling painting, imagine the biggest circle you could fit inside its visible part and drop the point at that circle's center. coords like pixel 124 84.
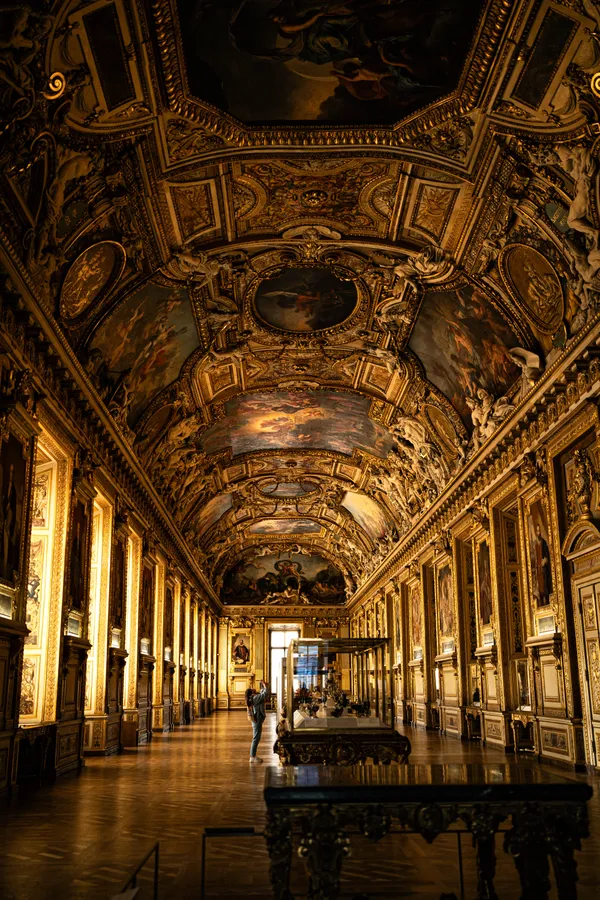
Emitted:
pixel 317 420
pixel 285 526
pixel 355 62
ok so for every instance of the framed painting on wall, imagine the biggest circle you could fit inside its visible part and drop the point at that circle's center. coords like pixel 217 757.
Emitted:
pixel 397 607
pixel 541 579
pixel 241 650
pixel 415 615
pixel 445 601
pixel 484 583
pixel 78 556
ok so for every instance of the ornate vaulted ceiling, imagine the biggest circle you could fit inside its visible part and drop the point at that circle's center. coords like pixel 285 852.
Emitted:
pixel 295 247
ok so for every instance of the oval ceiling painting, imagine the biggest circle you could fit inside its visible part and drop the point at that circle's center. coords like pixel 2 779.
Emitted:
pixel 90 277
pixel 305 300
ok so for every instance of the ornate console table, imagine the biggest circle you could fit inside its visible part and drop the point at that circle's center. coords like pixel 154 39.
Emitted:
pixel 342 748
pixel 543 819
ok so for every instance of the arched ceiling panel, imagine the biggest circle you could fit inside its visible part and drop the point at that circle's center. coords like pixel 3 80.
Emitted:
pixel 464 344
pixel 305 297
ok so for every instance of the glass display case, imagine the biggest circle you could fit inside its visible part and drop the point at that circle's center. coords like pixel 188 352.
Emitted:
pixel 335 705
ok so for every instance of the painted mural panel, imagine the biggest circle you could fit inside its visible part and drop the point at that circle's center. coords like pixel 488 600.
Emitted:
pixel 445 603
pixel 290 578
pixel 27 704
pixel 555 35
pixel 368 513
pixel 214 509
pixel 39 502
pixel 34 591
pixel 289 488
pixel 307 299
pixel 150 335
pixel 463 342
pixel 354 62
pixel 485 583
pixel 285 526
pixel 306 419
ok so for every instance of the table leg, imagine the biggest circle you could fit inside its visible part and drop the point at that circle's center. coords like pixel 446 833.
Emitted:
pixel 483 828
pixel 324 846
pixel 565 869
pixel 278 834
pixel 527 844
pixel 564 837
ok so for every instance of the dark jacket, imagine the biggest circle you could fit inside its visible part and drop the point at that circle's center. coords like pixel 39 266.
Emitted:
pixel 258 702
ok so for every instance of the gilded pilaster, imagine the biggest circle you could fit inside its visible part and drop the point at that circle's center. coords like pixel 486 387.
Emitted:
pixel 159 612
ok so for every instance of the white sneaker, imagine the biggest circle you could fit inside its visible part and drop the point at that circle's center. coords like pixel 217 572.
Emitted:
pixel 255 759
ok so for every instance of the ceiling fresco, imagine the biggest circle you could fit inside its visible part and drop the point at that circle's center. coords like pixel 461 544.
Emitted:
pixel 311 419
pixel 368 513
pixel 305 300
pixel 149 336
pixel 464 344
pixel 292 578
pixel 311 257
pixel 356 62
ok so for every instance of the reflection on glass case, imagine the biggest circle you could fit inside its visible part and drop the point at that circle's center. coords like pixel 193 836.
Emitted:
pixel 334 703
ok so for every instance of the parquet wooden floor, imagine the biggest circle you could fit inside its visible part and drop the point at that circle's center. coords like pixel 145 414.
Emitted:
pixel 80 837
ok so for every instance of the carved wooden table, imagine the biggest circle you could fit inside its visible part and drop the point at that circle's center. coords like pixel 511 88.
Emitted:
pixel 342 748
pixel 543 819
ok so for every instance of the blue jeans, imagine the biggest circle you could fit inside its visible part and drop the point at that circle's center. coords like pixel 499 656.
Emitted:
pixel 256 733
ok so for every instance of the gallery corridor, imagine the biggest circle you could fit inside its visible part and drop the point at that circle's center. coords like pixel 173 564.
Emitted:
pixel 81 837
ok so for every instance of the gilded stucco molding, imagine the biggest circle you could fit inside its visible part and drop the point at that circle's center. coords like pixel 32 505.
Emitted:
pixel 63 376
pixel 567 383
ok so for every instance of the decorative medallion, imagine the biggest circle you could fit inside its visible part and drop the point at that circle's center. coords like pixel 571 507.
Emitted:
pixel 534 285
pixel 305 300
pixel 443 429
pixel 91 276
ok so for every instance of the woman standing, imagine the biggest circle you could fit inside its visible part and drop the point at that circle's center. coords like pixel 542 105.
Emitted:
pixel 255 701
